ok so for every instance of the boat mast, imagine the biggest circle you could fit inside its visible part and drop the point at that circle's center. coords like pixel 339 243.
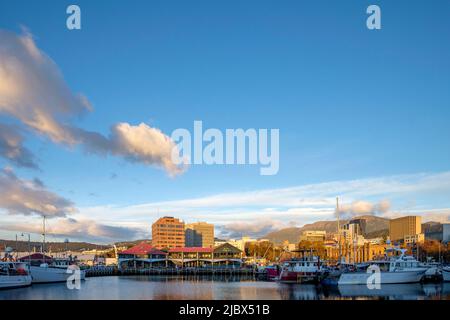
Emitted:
pixel 43 237
pixel 338 229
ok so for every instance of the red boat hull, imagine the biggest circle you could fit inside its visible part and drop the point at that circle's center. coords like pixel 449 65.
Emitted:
pixel 299 277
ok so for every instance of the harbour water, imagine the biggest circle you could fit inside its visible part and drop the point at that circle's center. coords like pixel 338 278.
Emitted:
pixel 218 288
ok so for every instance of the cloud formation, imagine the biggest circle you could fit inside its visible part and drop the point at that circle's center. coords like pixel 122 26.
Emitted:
pixel 253 229
pixel 252 212
pixel 87 230
pixel 30 197
pixel 12 149
pixel 33 90
pixel 358 208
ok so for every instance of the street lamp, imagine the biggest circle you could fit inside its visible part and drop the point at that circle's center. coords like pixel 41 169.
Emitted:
pixel 29 246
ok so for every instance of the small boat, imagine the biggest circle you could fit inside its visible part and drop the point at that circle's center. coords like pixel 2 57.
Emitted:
pixel 307 269
pixel 446 273
pixel 45 269
pixel 401 269
pixel 58 270
pixel 433 273
pixel 273 272
pixel 14 275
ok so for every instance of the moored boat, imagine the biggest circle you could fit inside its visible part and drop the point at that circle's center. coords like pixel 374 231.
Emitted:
pixel 14 275
pixel 402 269
pixel 54 270
pixel 273 272
pixel 307 269
pixel 45 269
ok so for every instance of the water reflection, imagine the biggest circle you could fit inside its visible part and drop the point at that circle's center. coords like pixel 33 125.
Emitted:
pixel 218 288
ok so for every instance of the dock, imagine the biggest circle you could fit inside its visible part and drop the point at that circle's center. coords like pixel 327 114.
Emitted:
pixel 114 271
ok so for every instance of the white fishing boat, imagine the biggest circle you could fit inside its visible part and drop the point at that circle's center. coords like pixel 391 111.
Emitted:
pixel 45 269
pixel 48 274
pixel 401 269
pixel 14 275
pixel 58 270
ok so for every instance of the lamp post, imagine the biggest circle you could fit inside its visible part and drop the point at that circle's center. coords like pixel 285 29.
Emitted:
pixel 66 241
pixel 29 246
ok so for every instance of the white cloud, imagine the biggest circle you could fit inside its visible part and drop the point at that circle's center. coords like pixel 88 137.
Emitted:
pixel 360 207
pixel 257 212
pixel 12 149
pixel 257 228
pixel 300 204
pixel 30 197
pixel 85 230
pixel 33 90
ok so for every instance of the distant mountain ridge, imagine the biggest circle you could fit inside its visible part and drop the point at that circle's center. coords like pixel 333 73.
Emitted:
pixel 22 246
pixel 375 227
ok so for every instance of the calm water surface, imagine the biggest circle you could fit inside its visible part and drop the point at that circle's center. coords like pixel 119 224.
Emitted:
pixel 217 288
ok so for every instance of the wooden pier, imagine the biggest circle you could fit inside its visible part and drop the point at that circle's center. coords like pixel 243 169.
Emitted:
pixel 114 271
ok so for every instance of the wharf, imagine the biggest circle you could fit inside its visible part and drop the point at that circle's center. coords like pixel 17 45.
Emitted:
pixel 114 271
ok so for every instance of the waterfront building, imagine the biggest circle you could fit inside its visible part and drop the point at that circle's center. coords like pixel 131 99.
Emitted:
pixel 191 257
pixel 218 242
pixel 168 232
pixel 199 234
pixel 405 227
pixel 224 255
pixel 142 255
pixel 240 243
pixel 313 236
pixel 351 253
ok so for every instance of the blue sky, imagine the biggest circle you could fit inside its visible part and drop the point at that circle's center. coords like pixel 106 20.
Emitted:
pixel 350 103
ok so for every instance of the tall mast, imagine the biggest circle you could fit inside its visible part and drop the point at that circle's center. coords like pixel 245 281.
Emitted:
pixel 338 229
pixel 43 236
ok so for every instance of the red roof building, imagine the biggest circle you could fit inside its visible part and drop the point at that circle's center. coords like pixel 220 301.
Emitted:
pixel 142 248
pixel 36 259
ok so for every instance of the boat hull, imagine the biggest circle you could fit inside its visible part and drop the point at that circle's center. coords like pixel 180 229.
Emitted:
pixel 10 282
pixel 50 275
pixel 353 278
pixel 299 277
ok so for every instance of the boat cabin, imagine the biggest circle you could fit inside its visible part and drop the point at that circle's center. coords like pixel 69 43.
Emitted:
pixel 13 269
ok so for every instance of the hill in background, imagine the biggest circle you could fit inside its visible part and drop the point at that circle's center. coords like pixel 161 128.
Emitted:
pixel 375 227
